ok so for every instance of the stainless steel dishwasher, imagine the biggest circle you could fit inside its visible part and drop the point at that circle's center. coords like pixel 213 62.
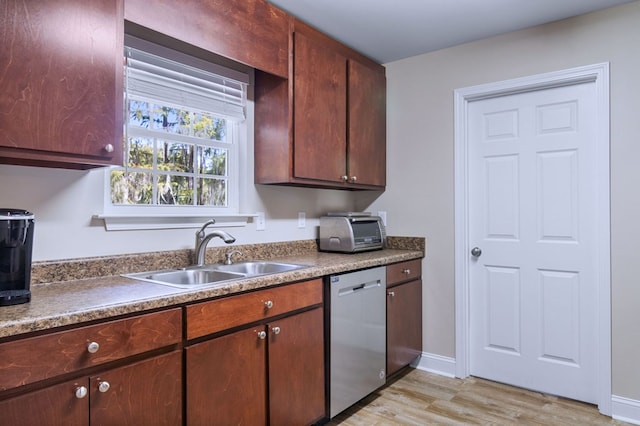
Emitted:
pixel 357 336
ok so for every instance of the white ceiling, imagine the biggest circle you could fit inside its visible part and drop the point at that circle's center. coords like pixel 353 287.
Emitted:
pixel 387 30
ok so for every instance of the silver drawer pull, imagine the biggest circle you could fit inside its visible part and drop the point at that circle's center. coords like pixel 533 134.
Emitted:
pixel 81 392
pixel 276 330
pixel 93 347
pixel 103 386
pixel 262 335
pixel 268 304
pixel 406 271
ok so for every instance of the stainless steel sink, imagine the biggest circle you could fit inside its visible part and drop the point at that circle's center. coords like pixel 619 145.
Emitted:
pixel 209 275
pixel 258 267
pixel 187 277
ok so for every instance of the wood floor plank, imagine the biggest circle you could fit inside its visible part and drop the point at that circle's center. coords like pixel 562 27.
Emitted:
pixel 421 398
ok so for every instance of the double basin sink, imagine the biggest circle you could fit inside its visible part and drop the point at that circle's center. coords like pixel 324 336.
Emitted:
pixel 210 275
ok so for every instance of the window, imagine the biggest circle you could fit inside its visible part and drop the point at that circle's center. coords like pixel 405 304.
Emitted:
pixel 183 118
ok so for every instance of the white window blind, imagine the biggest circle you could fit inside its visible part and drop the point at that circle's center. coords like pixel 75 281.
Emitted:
pixel 156 73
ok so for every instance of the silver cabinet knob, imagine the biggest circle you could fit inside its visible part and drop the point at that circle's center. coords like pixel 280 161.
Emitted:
pixel 344 178
pixel 406 271
pixel 262 335
pixel 93 347
pixel 103 386
pixel 268 304
pixel 391 293
pixel 108 148
pixel 275 330
pixel 81 392
pixel 354 178
pixel 476 252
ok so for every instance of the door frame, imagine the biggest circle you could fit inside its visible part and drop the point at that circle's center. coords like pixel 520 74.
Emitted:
pixel 598 74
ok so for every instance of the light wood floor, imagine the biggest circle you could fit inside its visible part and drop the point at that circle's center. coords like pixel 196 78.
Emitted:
pixel 421 398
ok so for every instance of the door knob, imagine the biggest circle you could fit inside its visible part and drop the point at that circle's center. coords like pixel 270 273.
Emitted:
pixel 476 252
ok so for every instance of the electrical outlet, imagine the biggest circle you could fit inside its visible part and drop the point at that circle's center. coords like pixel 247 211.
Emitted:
pixel 302 220
pixel 383 216
pixel 260 222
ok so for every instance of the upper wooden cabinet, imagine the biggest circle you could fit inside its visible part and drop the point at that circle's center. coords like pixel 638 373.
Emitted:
pixel 366 150
pixel 252 32
pixel 326 125
pixel 61 82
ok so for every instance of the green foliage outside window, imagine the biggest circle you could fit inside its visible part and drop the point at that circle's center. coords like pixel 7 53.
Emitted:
pixel 173 157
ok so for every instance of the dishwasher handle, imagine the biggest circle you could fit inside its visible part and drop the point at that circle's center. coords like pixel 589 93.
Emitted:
pixel 359 288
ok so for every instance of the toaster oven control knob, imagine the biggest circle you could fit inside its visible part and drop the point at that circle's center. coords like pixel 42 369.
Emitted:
pixel 81 392
pixel 268 304
pixel 108 148
pixel 93 347
pixel 103 386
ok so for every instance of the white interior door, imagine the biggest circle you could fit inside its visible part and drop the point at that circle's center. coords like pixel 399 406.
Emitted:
pixel 532 214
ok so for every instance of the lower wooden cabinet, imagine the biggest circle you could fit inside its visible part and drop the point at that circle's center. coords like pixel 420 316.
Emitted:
pixel 296 369
pixel 404 315
pixel 268 374
pixel 148 392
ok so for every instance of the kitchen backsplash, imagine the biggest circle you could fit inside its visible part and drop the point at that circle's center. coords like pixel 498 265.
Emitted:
pixel 82 268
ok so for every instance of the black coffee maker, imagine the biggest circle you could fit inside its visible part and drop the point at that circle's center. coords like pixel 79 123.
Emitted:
pixel 16 243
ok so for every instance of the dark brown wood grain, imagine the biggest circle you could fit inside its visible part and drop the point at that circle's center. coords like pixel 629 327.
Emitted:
pixel 226 380
pixel 404 271
pixel 366 145
pixel 320 111
pixel 61 82
pixel 55 405
pixel 37 358
pixel 404 324
pixel 273 151
pixel 222 314
pixel 148 392
pixel 328 121
pixel 252 32
pixel 296 369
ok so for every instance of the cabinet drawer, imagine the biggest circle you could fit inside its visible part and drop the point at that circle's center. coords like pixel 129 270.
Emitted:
pixel 221 314
pixel 32 359
pixel 403 271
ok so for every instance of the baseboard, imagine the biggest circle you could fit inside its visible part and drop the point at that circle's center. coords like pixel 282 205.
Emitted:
pixel 438 364
pixel 625 409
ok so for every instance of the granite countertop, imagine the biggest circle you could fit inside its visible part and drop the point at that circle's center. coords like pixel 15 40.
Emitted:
pixel 74 301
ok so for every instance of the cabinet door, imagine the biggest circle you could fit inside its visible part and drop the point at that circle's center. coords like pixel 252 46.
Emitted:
pixel 148 392
pixel 226 380
pixel 61 82
pixel 55 405
pixel 296 369
pixel 320 111
pixel 367 125
pixel 404 324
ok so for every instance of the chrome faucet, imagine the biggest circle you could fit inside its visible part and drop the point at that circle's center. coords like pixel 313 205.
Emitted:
pixel 229 256
pixel 202 240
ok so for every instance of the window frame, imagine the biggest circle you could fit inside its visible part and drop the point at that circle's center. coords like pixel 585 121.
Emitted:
pixel 181 216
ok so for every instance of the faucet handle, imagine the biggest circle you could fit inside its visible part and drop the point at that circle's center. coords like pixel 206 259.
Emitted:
pixel 228 256
pixel 200 233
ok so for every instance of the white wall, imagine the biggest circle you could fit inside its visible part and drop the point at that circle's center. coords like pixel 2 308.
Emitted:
pixel 419 196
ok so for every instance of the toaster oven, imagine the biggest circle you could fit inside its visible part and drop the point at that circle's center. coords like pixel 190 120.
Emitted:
pixel 351 232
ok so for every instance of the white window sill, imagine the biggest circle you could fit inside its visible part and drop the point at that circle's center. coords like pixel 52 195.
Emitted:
pixel 128 222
